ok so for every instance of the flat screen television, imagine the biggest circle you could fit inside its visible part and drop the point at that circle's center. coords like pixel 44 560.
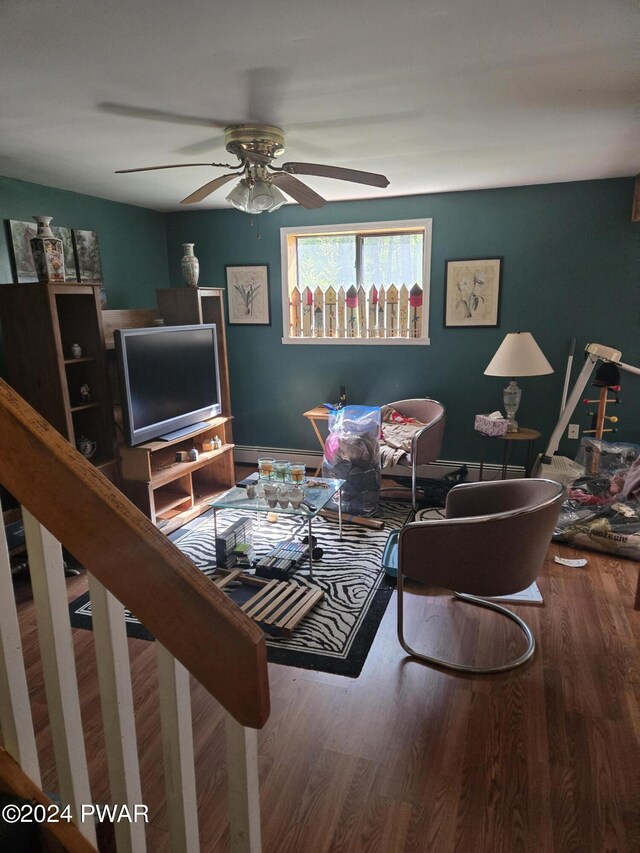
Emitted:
pixel 169 380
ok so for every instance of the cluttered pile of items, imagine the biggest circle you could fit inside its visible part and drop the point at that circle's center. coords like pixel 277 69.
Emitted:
pixel 602 509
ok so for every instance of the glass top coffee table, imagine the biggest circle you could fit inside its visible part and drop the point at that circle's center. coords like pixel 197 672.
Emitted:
pixel 318 491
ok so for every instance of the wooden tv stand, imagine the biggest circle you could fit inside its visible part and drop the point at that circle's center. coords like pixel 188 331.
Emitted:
pixel 171 492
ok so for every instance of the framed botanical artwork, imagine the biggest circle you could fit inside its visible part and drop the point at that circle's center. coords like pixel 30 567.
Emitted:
pixel 70 269
pixel 472 292
pixel 87 251
pixel 248 295
pixel 21 234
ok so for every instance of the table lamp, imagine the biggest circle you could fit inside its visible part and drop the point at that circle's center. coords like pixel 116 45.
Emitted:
pixel 517 355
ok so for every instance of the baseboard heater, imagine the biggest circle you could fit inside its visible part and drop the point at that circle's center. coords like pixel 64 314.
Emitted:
pixel 248 455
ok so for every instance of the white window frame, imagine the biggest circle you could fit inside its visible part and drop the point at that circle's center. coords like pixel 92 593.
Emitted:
pixel 288 268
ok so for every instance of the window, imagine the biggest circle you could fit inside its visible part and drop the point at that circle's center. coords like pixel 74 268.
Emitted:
pixel 356 284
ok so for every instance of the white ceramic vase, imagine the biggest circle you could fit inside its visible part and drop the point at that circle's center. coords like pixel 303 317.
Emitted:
pixel 48 252
pixel 190 265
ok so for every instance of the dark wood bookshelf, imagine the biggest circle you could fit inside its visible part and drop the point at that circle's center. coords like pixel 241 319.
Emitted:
pixel 40 323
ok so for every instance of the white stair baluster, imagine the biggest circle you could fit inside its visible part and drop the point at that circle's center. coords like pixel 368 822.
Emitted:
pixel 59 669
pixel 177 748
pixel 116 697
pixel 244 789
pixel 15 709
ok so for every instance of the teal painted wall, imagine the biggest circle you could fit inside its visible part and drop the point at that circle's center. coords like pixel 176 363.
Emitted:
pixel 570 270
pixel 132 241
pixel 571 267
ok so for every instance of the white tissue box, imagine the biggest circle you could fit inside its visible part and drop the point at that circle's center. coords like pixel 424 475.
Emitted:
pixel 491 426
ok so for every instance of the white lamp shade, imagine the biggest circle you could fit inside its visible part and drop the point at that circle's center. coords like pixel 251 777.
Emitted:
pixel 518 355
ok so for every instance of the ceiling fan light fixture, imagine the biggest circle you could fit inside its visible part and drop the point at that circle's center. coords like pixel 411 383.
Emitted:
pixel 256 196
pixel 278 198
pixel 239 195
pixel 260 197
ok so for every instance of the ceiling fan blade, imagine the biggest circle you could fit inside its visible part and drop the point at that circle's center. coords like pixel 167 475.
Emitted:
pixel 202 148
pixel 353 121
pixel 297 190
pixel 355 175
pixel 207 189
pixel 129 111
pixel 173 166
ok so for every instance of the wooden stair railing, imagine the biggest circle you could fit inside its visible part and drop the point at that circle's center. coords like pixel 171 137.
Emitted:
pixel 129 564
pixel 221 647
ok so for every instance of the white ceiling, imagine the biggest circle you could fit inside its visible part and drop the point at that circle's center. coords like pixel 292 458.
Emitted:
pixel 439 95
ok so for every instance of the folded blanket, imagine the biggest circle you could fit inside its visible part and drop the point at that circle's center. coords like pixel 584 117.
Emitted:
pixel 396 436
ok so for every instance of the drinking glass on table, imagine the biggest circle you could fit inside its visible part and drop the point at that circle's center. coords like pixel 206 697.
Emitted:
pixel 265 468
pixel 281 471
pixel 297 473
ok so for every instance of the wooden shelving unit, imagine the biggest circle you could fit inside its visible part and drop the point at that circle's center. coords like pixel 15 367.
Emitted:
pixel 39 323
pixel 171 492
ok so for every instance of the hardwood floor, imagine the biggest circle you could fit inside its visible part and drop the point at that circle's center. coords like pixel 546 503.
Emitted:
pixel 544 759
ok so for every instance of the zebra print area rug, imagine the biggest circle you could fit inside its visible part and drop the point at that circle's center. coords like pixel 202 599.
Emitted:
pixel 337 634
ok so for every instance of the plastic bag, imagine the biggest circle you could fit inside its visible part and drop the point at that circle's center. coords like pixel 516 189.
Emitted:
pixel 597 514
pixel 352 453
pixel 598 457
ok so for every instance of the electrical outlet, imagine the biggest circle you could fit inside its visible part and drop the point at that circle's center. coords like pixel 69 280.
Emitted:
pixel 573 431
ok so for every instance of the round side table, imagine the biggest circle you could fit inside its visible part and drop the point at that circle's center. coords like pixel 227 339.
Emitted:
pixel 523 434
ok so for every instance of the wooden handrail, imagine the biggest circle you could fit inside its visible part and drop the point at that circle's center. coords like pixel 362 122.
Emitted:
pixel 216 642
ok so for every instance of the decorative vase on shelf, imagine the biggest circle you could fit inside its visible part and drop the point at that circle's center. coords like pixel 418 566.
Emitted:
pixel 190 265
pixel 48 252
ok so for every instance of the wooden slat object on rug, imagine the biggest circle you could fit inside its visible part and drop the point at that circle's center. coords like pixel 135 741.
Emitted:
pixel 278 606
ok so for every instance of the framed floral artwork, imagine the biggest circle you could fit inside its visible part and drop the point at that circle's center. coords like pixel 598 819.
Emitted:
pixel 248 294
pixel 472 292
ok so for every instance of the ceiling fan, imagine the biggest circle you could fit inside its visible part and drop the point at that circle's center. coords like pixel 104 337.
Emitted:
pixel 262 184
